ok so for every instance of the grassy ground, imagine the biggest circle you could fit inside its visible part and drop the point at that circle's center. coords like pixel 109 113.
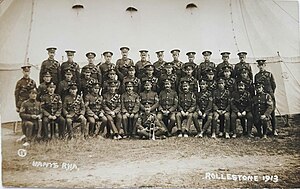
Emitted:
pixel 174 162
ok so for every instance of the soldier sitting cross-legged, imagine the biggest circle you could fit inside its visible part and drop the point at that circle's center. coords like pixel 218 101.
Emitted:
pixel 149 126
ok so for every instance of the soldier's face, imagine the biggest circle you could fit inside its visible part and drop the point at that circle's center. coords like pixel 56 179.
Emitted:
pixel 227 74
pixel 32 96
pixel 203 86
pixel 47 79
pixel 87 75
pixel 191 58
pixel 175 56
pixel 96 90
pixel 51 55
pixel 144 57
pixel 107 58
pixel 242 58
pixel 185 87
pixel 91 59
pixel 241 87
pixel 168 85
pixel 26 73
pixel 149 72
pixel 206 58
pixel 160 57
pixel 51 90
pixel 147 109
pixel 131 73
pixel 129 88
pixel 244 75
pixel 189 72
pixel 261 67
pixel 124 54
pixel 259 89
pixel 73 92
pixel 112 89
pixel 70 58
pixel 148 86
pixel 169 70
pixel 210 77
pixel 225 58
pixel 221 85
pixel 69 77
pixel 111 75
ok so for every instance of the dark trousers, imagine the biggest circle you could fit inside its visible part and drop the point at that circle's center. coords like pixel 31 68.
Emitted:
pixel 248 117
pixel 61 126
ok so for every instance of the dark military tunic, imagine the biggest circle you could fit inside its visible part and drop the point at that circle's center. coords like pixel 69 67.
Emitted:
pixel 241 101
pixel 204 101
pixel 63 88
pixel 53 67
pixel 159 66
pixel 177 65
pixel 73 105
pixel 239 67
pixel 94 104
pixel 111 102
pixel 168 100
pixel 262 105
pixel 95 72
pixel 74 68
pixel 22 90
pixel 122 67
pixel 149 98
pixel 221 100
pixel 187 102
pixel 30 107
pixel 139 68
pixel 51 105
pixel 201 69
pixel 130 103
pixel 268 81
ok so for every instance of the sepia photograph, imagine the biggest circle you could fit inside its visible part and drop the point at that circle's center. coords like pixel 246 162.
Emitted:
pixel 150 93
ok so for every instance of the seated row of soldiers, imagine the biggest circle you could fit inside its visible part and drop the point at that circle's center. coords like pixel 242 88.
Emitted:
pixel 155 93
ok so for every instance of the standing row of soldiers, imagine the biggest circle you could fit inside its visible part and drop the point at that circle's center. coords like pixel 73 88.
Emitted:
pixel 145 98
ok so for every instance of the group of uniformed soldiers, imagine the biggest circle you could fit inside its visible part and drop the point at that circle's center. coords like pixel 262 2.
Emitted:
pixel 145 99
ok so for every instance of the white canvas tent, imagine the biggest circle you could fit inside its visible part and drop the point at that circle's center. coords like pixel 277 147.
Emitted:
pixel 260 27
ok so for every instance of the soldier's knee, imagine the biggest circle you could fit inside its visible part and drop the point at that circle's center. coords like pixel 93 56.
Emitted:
pixel 28 124
pixel 69 121
pixel 233 115
pixel 159 116
pixel 227 115
pixel 173 118
pixel 91 120
pixel 104 119
pixel 195 115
